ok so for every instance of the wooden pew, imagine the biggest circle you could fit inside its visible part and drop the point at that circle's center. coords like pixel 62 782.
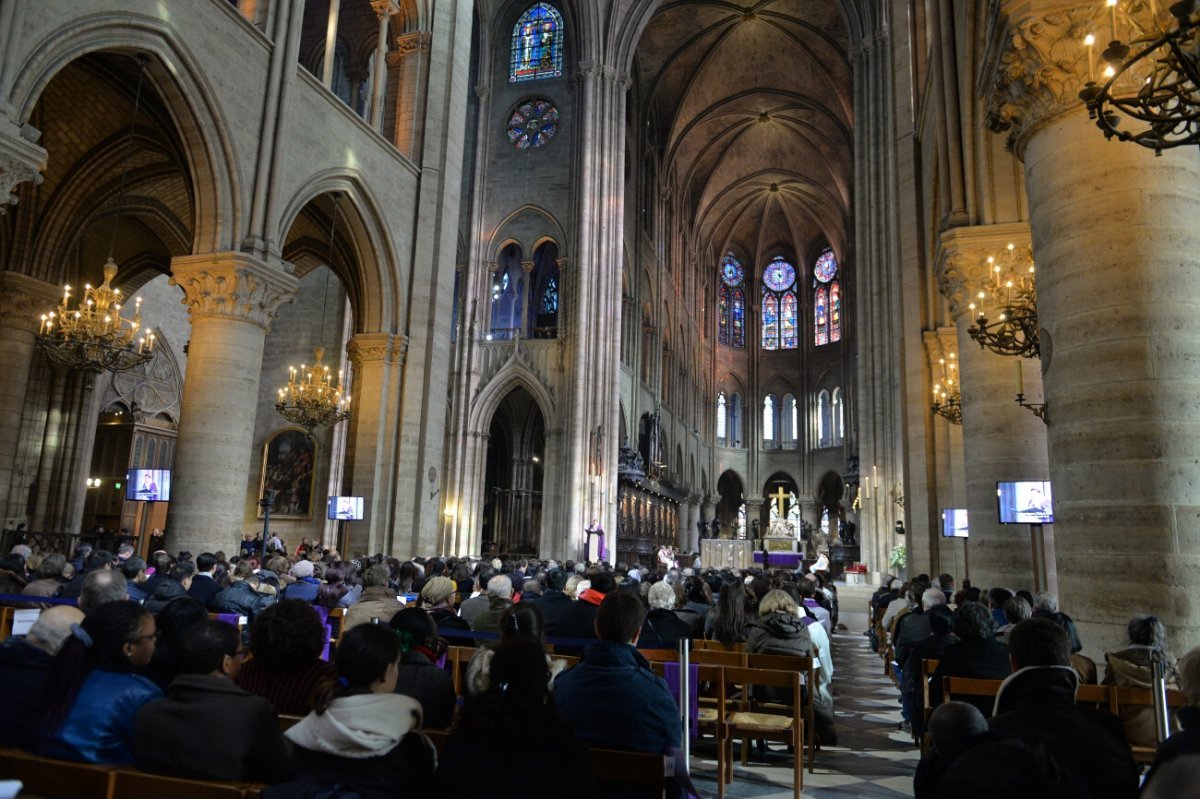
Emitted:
pixel 42 776
pixel 136 784
pixel 645 771
pixel 928 667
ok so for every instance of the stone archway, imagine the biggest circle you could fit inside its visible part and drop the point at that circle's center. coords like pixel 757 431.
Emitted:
pixel 514 477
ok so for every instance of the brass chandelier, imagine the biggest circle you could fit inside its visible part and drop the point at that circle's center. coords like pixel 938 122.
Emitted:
pixel 94 337
pixel 947 393
pixel 311 399
pixel 1011 326
pixel 1153 79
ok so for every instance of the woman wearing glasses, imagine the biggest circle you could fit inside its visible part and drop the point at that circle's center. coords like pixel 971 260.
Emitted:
pixel 93 694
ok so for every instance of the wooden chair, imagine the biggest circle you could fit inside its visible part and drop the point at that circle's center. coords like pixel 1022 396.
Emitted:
pixel 136 783
pixel 807 669
pixel 968 686
pixel 43 776
pixel 717 657
pixel 761 723
pixel 6 622
pixel 928 667
pixel 462 656
pixel 701 643
pixel 664 654
pixel 1124 697
pixel 438 738
pixel 287 722
pixel 646 771
pixel 337 624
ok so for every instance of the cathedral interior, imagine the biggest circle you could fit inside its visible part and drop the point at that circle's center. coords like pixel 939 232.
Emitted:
pixel 679 269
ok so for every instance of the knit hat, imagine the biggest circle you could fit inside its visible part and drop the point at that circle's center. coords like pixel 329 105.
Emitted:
pixel 438 589
pixel 302 569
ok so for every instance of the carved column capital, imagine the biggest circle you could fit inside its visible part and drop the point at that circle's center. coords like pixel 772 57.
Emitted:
pixel 527 265
pixel 409 43
pixel 961 258
pixel 20 161
pixel 26 298
pixel 1035 64
pixel 385 8
pixel 390 348
pixel 940 343
pixel 232 285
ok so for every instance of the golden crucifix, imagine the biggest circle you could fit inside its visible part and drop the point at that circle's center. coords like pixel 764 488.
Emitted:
pixel 779 496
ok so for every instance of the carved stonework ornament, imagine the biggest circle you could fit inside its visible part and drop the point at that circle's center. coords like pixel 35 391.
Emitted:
pixel 26 298
pixel 962 259
pixel 1035 67
pixel 154 387
pixel 20 161
pixel 368 347
pixel 232 285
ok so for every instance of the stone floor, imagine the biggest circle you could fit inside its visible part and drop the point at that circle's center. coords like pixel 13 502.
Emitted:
pixel 873 758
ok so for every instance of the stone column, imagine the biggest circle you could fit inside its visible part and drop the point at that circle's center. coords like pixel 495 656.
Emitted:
pixel 1001 440
pixel 377 361
pixel 753 513
pixel 26 299
pixel 384 10
pixel 405 66
pixel 1115 237
pixel 331 28
pixel 946 555
pixel 689 514
pixel 232 299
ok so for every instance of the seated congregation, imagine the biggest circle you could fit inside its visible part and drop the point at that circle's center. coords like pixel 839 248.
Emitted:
pixel 317 676
pixel 1003 703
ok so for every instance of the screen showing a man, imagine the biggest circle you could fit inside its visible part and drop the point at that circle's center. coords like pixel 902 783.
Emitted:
pixel 348 509
pixel 1025 502
pixel 148 485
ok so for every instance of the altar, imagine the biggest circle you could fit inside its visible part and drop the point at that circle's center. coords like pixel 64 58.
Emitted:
pixel 726 553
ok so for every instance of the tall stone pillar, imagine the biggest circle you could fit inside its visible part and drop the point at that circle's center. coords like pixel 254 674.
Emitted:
pixel 689 537
pixel 232 299
pixel 406 64
pixel 754 514
pixel 1001 440
pixel 26 299
pixel 377 362
pixel 943 555
pixel 1116 238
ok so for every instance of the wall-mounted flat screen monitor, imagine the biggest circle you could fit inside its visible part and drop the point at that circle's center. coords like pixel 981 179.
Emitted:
pixel 1025 502
pixel 148 485
pixel 348 509
pixel 954 522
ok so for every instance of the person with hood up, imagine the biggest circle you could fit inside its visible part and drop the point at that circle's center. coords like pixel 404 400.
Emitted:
pixel 173 586
pixel 362 736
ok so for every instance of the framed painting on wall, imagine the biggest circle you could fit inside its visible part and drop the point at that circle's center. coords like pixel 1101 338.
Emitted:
pixel 289 459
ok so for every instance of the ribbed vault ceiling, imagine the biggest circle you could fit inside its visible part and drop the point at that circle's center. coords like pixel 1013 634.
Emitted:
pixel 750 104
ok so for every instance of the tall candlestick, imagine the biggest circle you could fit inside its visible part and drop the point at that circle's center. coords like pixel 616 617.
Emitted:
pixel 1020 378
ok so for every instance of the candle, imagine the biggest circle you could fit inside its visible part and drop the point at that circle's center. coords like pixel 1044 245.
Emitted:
pixel 1090 41
pixel 1020 379
pixel 1112 10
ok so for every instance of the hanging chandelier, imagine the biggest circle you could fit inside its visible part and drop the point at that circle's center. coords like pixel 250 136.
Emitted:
pixel 947 394
pixel 1011 327
pixel 310 398
pixel 95 337
pixel 1151 80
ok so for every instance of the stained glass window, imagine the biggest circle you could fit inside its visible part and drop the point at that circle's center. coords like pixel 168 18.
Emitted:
pixel 826 266
pixel 731 304
pixel 827 300
pixel 532 123
pixel 731 270
pixel 721 417
pixel 779 308
pixel 550 297
pixel 537 43
pixel 768 418
pixel 770 321
pixel 737 315
pixel 787 322
pixel 835 312
pixel 821 316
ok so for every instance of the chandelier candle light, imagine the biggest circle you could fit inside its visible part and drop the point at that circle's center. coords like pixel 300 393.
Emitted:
pixel 1152 80
pixel 95 337
pixel 947 396
pixel 1012 287
pixel 310 398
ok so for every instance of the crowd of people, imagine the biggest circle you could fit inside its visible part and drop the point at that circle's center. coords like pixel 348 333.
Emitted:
pixel 1032 739
pixel 126 664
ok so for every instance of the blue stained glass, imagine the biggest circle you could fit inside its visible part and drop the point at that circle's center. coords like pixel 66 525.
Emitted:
pixel 738 318
pixel 779 274
pixel 835 312
pixel 820 317
pixel 550 297
pixel 533 123
pixel 826 266
pixel 537 43
pixel 770 322
pixel 723 316
pixel 731 270
pixel 787 322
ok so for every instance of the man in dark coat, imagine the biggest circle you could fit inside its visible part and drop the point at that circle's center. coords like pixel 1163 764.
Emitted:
pixel 941 638
pixel 977 654
pixel 240 735
pixel 24 667
pixel 241 598
pixel 579 621
pixel 553 602
pixel 1037 704
pixel 204 583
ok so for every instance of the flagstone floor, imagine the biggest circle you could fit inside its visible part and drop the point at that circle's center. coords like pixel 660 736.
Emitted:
pixel 873 759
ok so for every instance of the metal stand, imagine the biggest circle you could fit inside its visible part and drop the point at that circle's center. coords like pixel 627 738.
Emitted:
pixel 265 503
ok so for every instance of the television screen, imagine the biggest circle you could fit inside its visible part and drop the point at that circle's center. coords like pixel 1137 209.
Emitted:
pixel 148 485
pixel 954 522
pixel 346 508
pixel 1025 502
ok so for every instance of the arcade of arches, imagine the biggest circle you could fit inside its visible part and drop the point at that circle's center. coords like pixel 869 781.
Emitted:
pixel 684 268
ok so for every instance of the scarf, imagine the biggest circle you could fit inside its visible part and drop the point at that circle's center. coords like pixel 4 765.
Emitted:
pixel 359 727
